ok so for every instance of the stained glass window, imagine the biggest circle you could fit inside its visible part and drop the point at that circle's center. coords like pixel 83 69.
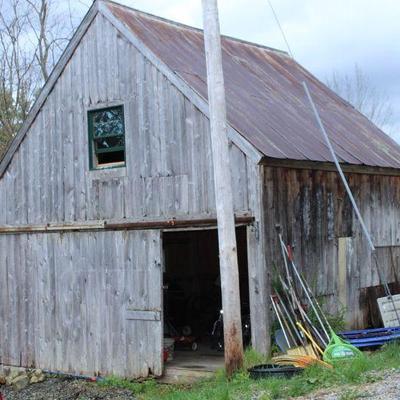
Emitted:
pixel 107 137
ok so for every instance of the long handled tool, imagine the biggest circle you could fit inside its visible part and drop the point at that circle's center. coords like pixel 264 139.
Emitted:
pixel 310 338
pixel 290 319
pixel 295 339
pixel 302 284
pixel 295 303
pixel 300 314
pixel 302 346
pixel 303 315
pixel 314 302
pixel 285 322
pixel 280 321
pixel 353 202
pixel 336 349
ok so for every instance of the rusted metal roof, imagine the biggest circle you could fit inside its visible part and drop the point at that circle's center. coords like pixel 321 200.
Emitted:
pixel 266 102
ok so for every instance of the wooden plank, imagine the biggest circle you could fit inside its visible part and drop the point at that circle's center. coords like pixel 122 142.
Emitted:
pixel 315 213
pixel 143 287
pixel 342 282
pixel 325 166
pixel 80 141
pixel 259 274
pixel 85 290
pixel 121 225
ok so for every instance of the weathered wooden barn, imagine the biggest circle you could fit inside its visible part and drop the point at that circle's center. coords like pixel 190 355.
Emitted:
pixel 107 196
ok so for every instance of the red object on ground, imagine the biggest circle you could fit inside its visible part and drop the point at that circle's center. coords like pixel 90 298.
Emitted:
pixel 2 397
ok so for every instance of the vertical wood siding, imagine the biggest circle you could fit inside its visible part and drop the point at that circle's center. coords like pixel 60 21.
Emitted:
pixel 169 166
pixel 259 270
pixel 64 302
pixel 314 212
pixel 63 297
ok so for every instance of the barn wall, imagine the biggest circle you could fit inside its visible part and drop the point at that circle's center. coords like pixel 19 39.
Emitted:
pixel 169 165
pixel 63 295
pixel 64 300
pixel 315 212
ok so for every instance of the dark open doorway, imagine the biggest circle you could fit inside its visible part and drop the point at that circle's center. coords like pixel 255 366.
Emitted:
pixel 192 292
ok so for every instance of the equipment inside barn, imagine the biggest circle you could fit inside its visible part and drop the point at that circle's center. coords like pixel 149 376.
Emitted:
pixel 192 291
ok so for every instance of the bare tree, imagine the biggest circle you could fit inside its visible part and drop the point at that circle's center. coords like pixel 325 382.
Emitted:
pixel 359 91
pixel 16 69
pixel 33 34
pixel 52 31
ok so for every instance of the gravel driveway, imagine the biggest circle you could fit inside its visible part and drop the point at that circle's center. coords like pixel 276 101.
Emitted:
pixel 386 388
pixel 65 389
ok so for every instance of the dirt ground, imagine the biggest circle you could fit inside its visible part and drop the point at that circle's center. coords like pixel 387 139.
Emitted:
pixel 386 388
pixel 65 389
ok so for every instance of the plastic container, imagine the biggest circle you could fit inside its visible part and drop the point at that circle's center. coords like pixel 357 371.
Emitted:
pixel 263 371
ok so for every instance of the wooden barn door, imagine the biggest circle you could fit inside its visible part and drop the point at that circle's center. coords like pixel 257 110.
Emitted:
pixel 93 302
pixel 144 320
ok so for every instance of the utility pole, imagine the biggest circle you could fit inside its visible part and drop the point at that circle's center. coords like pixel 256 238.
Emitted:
pixel 228 260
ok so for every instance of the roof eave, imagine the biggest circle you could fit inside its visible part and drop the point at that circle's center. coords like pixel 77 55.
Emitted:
pixel 329 166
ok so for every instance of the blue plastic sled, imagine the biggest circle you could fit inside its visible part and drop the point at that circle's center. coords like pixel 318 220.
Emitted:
pixel 371 337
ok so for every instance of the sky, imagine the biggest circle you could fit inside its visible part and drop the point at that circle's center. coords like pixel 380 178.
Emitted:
pixel 324 36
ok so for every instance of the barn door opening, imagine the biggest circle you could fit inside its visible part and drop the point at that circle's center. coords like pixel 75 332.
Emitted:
pixel 192 296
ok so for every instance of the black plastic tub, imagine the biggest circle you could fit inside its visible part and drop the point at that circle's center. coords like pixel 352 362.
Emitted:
pixel 273 371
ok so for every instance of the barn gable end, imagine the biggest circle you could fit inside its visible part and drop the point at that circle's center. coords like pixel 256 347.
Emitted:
pixel 168 171
pixel 81 255
pixel 65 296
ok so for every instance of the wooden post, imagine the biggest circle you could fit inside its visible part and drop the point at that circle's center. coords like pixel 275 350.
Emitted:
pixel 223 191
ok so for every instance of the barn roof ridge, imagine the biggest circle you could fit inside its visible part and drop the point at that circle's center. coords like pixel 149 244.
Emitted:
pixel 198 30
pixel 268 116
pixel 266 102
pixel 68 52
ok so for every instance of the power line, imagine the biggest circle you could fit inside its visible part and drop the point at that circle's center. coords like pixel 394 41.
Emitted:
pixel 281 29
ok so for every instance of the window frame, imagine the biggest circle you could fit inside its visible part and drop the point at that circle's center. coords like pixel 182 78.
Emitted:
pixel 93 159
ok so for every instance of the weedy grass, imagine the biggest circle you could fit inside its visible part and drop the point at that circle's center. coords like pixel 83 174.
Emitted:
pixel 240 386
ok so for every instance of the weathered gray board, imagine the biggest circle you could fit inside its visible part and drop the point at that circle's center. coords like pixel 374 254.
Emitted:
pixel 168 174
pixel 65 302
pixel 169 166
pixel 317 217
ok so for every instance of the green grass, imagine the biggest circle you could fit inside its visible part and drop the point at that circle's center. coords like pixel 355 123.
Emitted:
pixel 242 387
